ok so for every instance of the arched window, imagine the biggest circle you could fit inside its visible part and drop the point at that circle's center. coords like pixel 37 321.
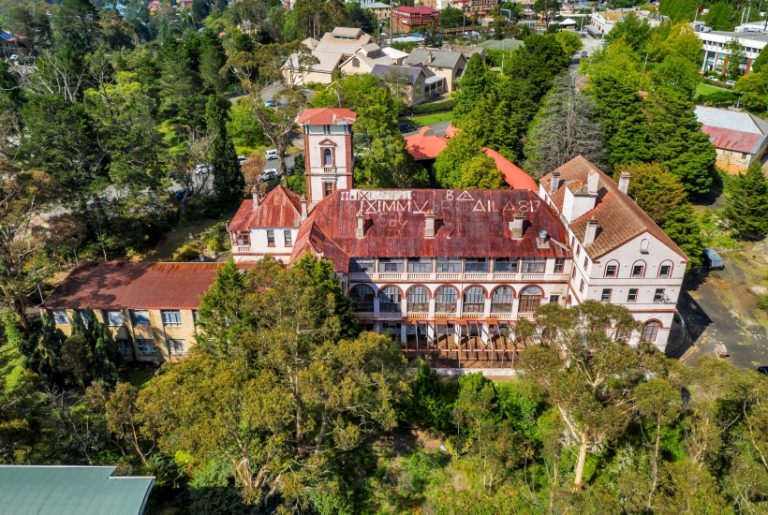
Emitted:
pixel 501 299
pixel 665 269
pixel 474 300
pixel 418 300
pixel 389 299
pixel 445 299
pixel 530 299
pixel 327 157
pixel 650 331
pixel 638 270
pixel 362 298
pixel 611 269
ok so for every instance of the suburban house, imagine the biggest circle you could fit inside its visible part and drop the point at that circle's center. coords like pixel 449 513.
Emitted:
pixel 443 63
pixel 478 8
pixel 619 254
pixel 602 22
pixel 449 272
pixel 413 84
pixel 407 19
pixel 150 308
pixel 345 49
pixel 740 138
pixel 380 10
pixel 716 54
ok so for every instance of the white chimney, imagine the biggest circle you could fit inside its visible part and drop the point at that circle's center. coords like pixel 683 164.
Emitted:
pixel 360 225
pixel 255 195
pixel 591 232
pixel 555 183
pixel 303 208
pixel 517 227
pixel 624 182
pixel 592 182
pixel 429 224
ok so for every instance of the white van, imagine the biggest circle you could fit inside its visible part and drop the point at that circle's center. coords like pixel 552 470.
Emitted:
pixel 270 154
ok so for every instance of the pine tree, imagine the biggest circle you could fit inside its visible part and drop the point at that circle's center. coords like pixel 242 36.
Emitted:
pixel 677 141
pixel 747 206
pixel 228 182
pixel 476 82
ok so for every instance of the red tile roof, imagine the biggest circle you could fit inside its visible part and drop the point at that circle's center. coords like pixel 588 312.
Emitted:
pixel 425 144
pixel 417 10
pixel 280 208
pixel 469 223
pixel 327 116
pixel 113 285
pixel 514 176
pixel 729 139
pixel 619 218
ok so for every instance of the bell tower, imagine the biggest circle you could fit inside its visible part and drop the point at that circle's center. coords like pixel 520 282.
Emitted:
pixel 328 158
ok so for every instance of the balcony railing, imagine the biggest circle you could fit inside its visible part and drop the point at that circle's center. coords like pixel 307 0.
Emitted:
pixel 456 276
pixel 329 169
pixel 243 248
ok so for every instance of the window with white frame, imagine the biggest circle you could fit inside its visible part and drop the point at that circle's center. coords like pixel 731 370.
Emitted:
pixel 391 265
pixel 362 298
pixel 60 316
pixel 505 265
pixel 605 296
pixel 659 296
pixel 171 316
pixel 445 299
pixel 389 299
pixel 114 318
pixel 448 265
pixel 533 265
pixel 474 300
pixel 665 269
pixel 501 299
pixel 476 265
pixel 362 265
pixel 176 346
pixel 270 238
pixel 612 269
pixel 140 317
pixel 288 238
pixel 418 300
pixel 146 347
pixel 419 265
pixel 632 295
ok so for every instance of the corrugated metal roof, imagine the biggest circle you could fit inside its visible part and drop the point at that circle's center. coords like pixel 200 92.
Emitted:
pixel 736 141
pixel 620 219
pixel 433 57
pixel 70 490
pixel 468 223
pixel 731 119
pixel 392 71
pixel 416 10
pixel 121 285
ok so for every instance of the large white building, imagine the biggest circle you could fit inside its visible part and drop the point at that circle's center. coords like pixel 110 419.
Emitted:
pixel 716 53
pixel 450 272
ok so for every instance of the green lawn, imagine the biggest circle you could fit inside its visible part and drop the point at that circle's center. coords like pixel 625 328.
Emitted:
pixel 707 89
pixel 428 119
pixel 11 365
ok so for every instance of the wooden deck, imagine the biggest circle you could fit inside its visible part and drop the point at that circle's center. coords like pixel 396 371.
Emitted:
pixel 469 352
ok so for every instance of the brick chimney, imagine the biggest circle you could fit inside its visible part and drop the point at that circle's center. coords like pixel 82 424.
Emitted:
pixel 517 227
pixel 429 224
pixel 255 195
pixel 591 232
pixel 624 182
pixel 555 183
pixel 360 225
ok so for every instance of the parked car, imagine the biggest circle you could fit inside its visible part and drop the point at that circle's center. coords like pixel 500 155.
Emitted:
pixel 270 154
pixel 763 370
pixel 406 127
pixel 269 175
pixel 584 54
pixel 241 159
pixel 712 260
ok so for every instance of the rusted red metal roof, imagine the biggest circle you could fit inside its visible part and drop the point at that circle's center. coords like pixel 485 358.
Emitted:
pixel 736 141
pixel 280 208
pixel 514 176
pixel 327 116
pixel 468 223
pixel 416 10
pixel 121 285
pixel 619 218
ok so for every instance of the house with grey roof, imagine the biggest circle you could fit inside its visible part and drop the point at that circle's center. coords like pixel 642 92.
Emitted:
pixel 740 138
pixel 345 49
pixel 448 64
pixel 413 84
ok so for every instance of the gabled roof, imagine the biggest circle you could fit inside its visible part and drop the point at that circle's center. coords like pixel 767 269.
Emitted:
pixel 131 285
pixel 71 490
pixel 620 219
pixel 425 144
pixel 347 32
pixel 514 176
pixel 727 129
pixel 327 116
pixel 468 223
pixel 410 74
pixel 434 57
pixel 280 208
